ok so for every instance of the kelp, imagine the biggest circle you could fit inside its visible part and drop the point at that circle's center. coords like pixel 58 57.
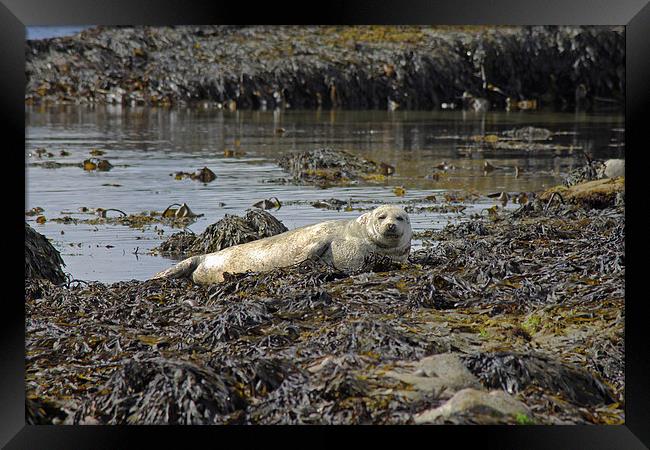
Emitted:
pixel 229 231
pixel 327 166
pixel 42 260
pixel 532 301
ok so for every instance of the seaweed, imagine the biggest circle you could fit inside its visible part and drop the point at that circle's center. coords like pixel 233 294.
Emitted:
pixel 514 372
pixel 531 299
pixel 42 260
pixel 325 166
pixel 229 231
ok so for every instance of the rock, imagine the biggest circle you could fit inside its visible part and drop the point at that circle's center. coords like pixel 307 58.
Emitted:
pixel 42 260
pixel 614 168
pixel 491 407
pixel 444 374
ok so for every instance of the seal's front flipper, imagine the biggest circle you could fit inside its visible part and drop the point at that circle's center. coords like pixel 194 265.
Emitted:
pixel 183 269
pixel 321 251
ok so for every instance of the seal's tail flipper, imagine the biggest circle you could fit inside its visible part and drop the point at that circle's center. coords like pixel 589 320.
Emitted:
pixel 183 269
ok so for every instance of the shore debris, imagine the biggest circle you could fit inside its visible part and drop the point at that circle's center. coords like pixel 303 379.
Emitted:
pixel 101 165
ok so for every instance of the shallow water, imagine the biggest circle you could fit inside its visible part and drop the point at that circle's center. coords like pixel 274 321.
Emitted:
pixel 155 142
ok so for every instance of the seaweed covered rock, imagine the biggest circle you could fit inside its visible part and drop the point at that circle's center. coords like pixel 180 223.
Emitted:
pixel 229 231
pixel 354 67
pixel 325 166
pixel 519 259
pixel 529 134
pixel 590 171
pixel 164 392
pixel 597 194
pixel 514 372
pixel 42 260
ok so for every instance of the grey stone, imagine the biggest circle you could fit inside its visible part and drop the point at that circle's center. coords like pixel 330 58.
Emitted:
pixel 444 374
pixel 495 404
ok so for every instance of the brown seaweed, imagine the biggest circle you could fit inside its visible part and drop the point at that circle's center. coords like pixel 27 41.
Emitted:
pixel 42 260
pixel 229 231
pixel 532 300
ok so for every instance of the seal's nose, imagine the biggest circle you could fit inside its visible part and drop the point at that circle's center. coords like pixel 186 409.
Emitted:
pixel 392 227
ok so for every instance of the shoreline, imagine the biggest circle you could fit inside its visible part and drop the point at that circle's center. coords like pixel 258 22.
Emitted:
pixel 522 298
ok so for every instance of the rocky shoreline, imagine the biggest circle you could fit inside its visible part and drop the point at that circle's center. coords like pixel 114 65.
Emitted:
pixel 359 67
pixel 510 317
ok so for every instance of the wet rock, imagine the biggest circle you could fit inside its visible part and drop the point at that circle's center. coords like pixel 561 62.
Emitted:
pixel 512 148
pixel 205 175
pixel 268 203
pixel 474 406
pixel 42 260
pixel 229 231
pixel 332 203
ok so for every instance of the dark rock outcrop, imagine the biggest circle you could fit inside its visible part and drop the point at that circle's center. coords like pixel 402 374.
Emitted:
pixel 355 67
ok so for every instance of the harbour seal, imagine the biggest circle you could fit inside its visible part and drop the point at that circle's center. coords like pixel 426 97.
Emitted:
pixel 345 244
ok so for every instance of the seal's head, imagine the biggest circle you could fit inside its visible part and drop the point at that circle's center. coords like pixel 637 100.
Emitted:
pixel 388 226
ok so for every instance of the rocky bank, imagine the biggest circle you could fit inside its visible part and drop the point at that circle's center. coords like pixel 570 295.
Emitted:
pixel 355 67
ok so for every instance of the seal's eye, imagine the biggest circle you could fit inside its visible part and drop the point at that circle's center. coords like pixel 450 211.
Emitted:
pixel 382 217
pixel 400 218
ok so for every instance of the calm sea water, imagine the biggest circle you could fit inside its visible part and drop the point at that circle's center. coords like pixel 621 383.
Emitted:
pixel 148 144
pixel 34 33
